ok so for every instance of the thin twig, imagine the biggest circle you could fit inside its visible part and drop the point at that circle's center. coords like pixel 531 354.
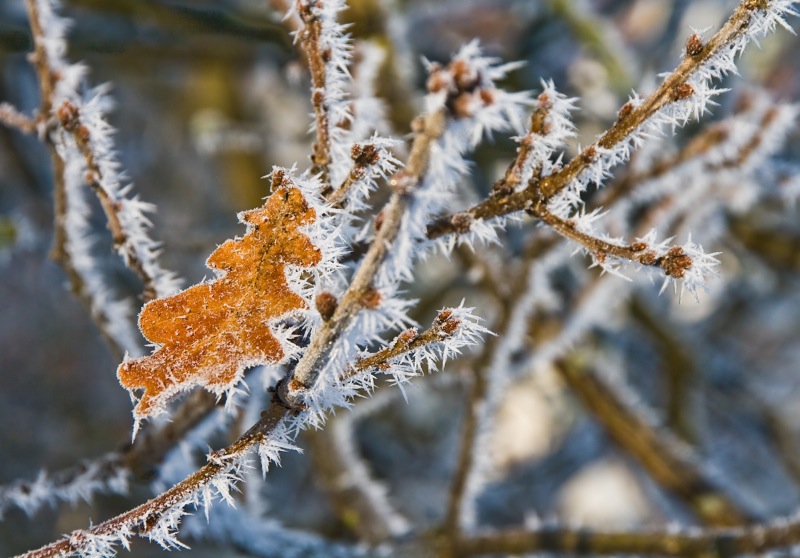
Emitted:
pixel 311 35
pixel 12 118
pixel 139 459
pixel 697 147
pixel 674 263
pixel 352 301
pixel 70 122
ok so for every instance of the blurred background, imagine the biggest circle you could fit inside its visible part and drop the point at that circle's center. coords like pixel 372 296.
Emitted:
pixel 211 93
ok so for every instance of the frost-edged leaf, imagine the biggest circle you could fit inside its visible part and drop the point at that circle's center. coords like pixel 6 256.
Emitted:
pixel 209 333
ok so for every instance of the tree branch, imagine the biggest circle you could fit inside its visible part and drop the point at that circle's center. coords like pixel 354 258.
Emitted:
pixel 308 367
pixel 630 119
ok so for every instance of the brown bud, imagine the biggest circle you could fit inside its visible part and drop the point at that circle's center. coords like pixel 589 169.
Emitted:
pixel 589 154
pixel 83 133
pixel 648 258
pixel 462 222
pixel 676 262
pixel 465 77
pixel 625 111
pixel 487 96
pixel 68 115
pixel 461 106
pixel 694 45
pixel 444 315
pixel 365 155
pixel 437 80
pixel 639 246
pixel 326 304
pixel 450 326
pixel 682 91
pixel 544 100
pixel 371 298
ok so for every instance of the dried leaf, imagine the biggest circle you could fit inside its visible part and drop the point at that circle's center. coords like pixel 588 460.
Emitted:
pixel 209 333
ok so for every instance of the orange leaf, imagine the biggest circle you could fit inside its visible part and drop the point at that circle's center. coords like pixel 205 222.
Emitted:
pixel 209 333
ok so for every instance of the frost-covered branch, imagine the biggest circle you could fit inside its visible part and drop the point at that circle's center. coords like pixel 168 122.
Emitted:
pixel 683 94
pixel 112 472
pixel 463 105
pixel 159 518
pixel 328 50
pixel 688 262
pixel 353 300
pixel 72 123
pixel 125 215
pixel 80 483
pixel 318 290
pixel 13 118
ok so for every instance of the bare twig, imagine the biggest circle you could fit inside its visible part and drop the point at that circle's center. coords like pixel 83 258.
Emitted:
pixel 11 117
